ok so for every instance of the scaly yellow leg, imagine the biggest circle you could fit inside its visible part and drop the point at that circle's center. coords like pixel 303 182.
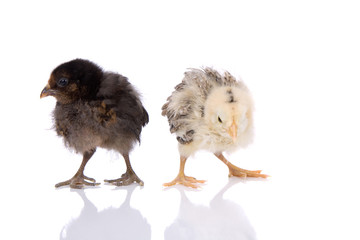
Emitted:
pixel 182 179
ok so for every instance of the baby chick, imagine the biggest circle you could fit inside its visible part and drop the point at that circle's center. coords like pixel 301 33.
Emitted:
pixel 94 109
pixel 213 112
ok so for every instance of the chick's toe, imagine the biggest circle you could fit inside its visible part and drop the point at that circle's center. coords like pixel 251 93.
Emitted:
pixel 239 172
pixel 78 182
pixel 186 181
pixel 127 178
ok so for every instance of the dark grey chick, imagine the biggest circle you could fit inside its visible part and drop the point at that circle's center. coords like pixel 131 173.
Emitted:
pixel 95 108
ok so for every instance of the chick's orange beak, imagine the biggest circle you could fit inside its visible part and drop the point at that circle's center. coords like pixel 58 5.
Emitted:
pixel 46 91
pixel 233 130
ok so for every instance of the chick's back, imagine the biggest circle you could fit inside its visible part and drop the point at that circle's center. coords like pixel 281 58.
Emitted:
pixel 113 119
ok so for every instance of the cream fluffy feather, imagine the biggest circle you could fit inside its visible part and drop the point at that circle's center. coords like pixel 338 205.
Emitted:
pixel 202 108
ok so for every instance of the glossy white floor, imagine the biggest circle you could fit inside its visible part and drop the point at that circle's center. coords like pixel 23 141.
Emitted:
pixel 301 62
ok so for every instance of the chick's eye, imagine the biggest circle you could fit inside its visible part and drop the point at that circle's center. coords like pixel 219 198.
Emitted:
pixel 62 82
pixel 219 119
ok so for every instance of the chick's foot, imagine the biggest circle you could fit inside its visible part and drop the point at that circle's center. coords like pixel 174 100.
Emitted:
pixel 78 182
pixel 126 179
pixel 240 172
pixel 184 180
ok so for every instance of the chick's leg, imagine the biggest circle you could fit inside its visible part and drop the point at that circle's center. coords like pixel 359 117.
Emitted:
pixel 182 179
pixel 79 179
pixel 239 172
pixel 128 177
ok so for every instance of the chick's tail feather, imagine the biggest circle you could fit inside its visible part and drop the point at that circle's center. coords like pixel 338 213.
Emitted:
pixel 145 118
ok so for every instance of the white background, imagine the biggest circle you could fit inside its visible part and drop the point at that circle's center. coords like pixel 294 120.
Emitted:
pixel 301 61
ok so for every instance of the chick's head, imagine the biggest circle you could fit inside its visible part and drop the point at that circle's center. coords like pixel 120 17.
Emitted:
pixel 73 80
pixel 228 112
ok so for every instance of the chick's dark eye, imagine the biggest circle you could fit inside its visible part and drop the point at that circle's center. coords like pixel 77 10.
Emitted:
pixel 219 119
pixel 62 82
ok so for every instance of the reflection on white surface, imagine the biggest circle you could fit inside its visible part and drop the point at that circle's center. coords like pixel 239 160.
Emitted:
pixel 222 219
pixel 123 222
pixel 213 218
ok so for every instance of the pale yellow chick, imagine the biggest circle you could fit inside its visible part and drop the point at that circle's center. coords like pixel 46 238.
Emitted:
pixel 213 112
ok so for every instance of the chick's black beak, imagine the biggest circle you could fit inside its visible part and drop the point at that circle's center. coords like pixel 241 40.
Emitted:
pixel 46 91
